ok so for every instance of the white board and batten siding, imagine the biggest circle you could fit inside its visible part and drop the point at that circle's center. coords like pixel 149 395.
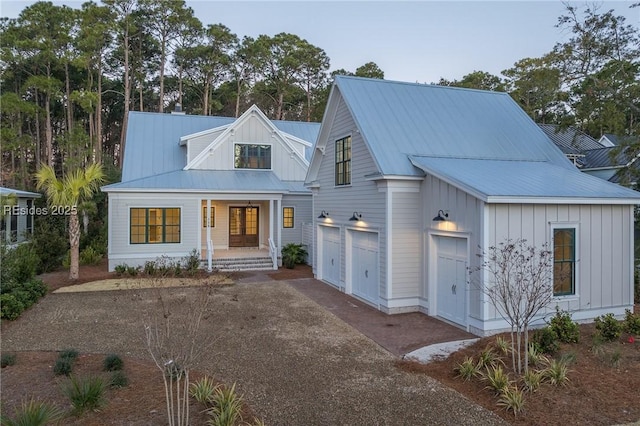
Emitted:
pixel 137 254
pixel 604 250
pixel 199 142
pixel 362 195
pixel 255 131
pixel 465 221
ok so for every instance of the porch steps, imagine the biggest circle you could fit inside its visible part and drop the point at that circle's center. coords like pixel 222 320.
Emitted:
pixel 242 264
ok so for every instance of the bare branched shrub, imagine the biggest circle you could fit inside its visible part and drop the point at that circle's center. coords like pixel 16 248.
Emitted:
pixel 171 316
pixel 519 287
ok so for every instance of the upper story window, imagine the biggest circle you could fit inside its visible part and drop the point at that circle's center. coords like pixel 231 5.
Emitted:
pixel 564 261
pixel 155 225
pixel 252 156
pixel 343 161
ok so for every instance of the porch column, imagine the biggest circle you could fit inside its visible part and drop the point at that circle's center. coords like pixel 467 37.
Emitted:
pixel 272 229
pixel 209 242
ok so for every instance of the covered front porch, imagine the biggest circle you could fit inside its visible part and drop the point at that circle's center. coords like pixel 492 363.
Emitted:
pixel 242 232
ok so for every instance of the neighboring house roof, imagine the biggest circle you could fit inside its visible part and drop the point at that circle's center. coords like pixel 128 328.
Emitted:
pixel 210 180
pixel 569 140
pixel 609 139
pixel 18 193
pixel 153 140
pixel 479 141
pixel 606 158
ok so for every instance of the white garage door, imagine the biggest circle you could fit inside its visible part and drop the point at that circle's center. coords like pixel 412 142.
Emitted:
pixel 364 265
pixel 452 279
pixel 330 254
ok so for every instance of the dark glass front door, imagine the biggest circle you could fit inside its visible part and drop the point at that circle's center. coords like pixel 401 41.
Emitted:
pixel 243 227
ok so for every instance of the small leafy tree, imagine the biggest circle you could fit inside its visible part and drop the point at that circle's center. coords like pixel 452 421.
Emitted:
pixel 521 284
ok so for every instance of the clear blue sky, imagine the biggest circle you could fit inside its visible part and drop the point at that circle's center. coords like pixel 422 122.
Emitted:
pixel 416 41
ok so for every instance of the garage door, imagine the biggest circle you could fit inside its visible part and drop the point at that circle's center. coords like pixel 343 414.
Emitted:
pixel 452 279
pixel 330 254
pixel 364 265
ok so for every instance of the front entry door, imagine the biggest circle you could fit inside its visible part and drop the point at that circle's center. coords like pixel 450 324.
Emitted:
pixel 452 279
pixel 243 227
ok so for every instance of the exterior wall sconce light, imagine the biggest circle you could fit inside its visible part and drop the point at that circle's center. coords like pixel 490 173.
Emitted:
pixel 323 215
pixel 356 217
pixel 442 216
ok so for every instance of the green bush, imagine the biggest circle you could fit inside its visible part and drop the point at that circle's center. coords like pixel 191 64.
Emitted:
pixel 63 367
pixel 86 394
pixel 89 256
pixel 566 330
pixel 119 380
pixel 7 360
pixel 608 327
pixel 71 354
pixel 112 362
pixel 121 269
pixel 631 323
pixel 34 413
pixel 50 242
pixel 191 262
pixel 10 307
pixel 19 264
pixel 545 340
pixel 149 268
pixel 293 254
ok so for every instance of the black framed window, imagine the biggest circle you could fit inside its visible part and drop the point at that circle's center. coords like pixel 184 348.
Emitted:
pixel 252 156
pixel 154 225
pixel 343 161
pixel 287 217
pixel 564 261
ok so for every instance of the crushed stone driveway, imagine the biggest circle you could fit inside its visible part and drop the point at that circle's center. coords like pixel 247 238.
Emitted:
pixel 295 362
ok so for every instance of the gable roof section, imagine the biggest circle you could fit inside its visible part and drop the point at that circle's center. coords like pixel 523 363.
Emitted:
pixel 153 140
pixel 152 144
pixel 399 119
pixel 254 111
pixel 500 181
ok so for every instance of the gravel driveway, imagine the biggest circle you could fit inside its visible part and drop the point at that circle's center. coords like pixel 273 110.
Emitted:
pixel 296 363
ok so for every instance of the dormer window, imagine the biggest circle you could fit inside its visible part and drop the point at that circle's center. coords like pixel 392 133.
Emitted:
pixel 252 156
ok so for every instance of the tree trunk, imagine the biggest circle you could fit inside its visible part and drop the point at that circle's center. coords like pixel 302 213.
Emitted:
pixel 48 131
pixel 68 92
pixel 99 116
pixel 74 241
pixel 127 98
pixel 163 59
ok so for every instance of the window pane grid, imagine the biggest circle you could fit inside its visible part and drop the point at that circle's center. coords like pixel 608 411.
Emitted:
pixel 252 156
pixel 154 225
pixel 287 217
pixel 563 262
pixel 343 161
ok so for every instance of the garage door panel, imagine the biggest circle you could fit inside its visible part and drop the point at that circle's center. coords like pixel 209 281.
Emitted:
pixel 330 263
pixel 451 279
pixel 364 263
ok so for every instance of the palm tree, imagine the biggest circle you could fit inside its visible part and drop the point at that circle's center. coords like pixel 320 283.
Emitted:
pixel 65 194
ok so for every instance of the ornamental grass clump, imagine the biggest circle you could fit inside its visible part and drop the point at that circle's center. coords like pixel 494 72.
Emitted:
pixel 496 378
pixel 468 369
pixel 557 373
pixel 34 413
pixel 7 360
pixel 203 390
pixel 85 394
pixel 112 362
pixel 512 399
pixel 227 407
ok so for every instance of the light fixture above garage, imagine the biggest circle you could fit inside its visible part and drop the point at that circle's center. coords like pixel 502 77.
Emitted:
pixel 442 216
pixel 323 215
pixel 356 217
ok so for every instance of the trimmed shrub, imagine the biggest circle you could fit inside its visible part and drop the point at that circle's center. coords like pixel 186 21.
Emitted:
pixel 631 323
pixel 71 354
pixel 119 380
pixel 191 263
pixel 545 340
pixel 7 360
pixel 112 362
pixel 63 367
pixel 566 329
pixel 609 327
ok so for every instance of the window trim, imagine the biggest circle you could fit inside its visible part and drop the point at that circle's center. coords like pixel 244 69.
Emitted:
pixel 336 163
pixel 163 225
pixel 293 217
pixel 233 155
pixel 574 226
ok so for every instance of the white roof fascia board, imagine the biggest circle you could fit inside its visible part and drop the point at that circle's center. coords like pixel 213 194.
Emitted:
pixel 295 138
pixel 377 177
pixel 185 139
pixel 497 199
pixel 194 191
